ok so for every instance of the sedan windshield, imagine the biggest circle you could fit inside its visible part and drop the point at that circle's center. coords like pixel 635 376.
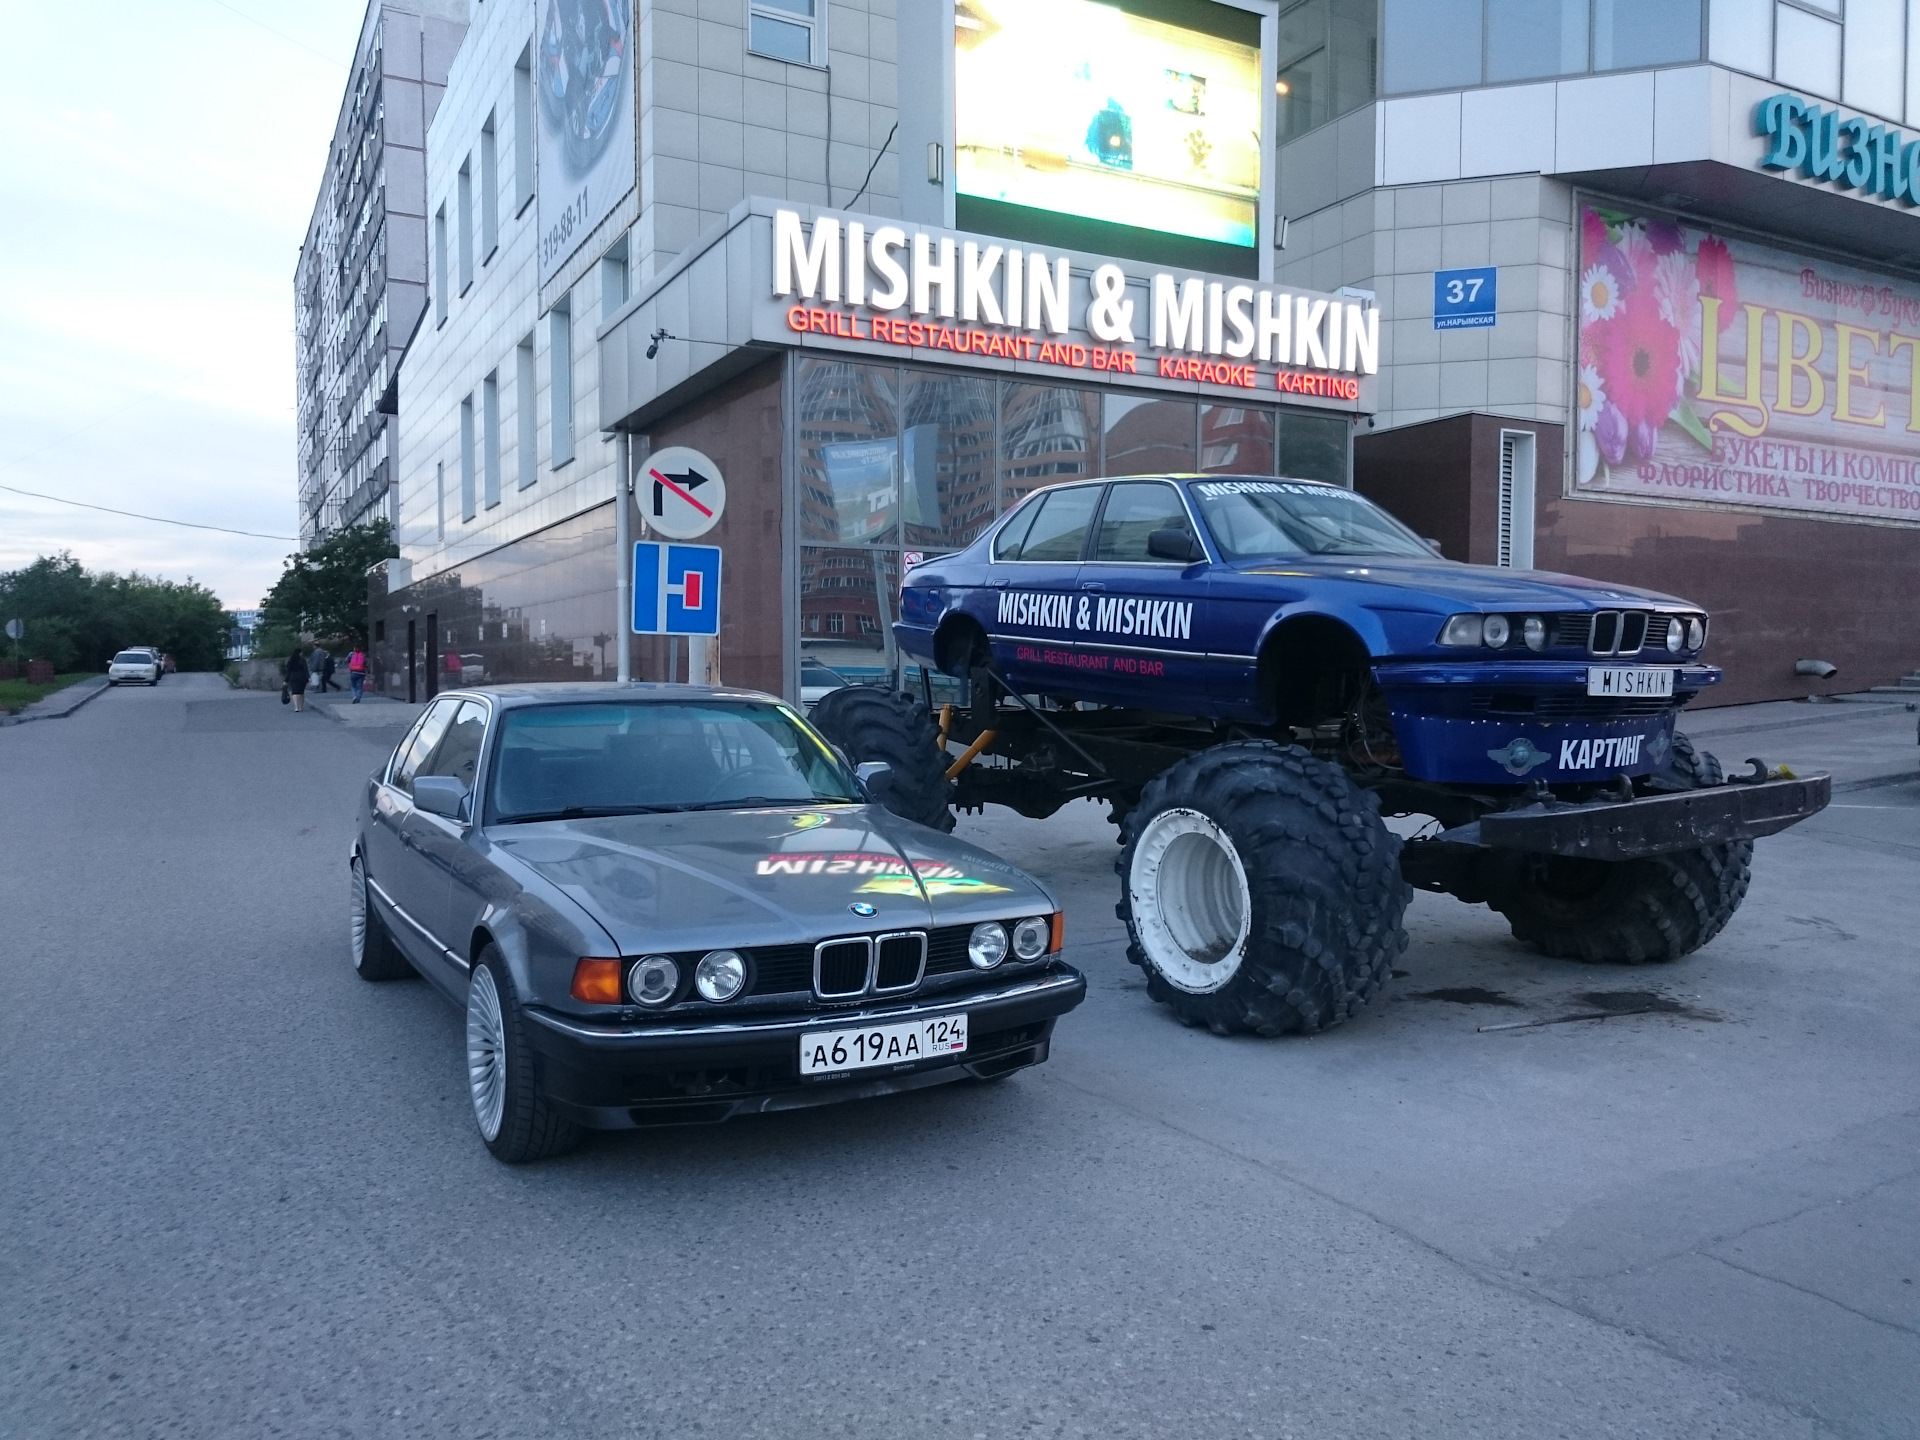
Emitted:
pixel 606 758
pixel 1254 519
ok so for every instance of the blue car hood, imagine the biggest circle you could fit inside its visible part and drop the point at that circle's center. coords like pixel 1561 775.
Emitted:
pixel 776 876
pixel 1450 585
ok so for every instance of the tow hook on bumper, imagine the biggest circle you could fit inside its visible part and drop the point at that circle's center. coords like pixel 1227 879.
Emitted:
pixel 1653 824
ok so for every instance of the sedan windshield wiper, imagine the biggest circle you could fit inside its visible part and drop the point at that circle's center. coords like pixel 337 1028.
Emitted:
pixel 747 802
pixel 586 812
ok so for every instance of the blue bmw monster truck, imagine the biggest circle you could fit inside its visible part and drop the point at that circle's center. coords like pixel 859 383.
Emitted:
pixel 1252 670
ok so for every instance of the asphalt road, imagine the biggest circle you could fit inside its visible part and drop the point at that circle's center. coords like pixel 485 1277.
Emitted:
pixel 240 1193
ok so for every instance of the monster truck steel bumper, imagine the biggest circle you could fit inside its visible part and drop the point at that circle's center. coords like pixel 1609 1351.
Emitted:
pixel 1650 825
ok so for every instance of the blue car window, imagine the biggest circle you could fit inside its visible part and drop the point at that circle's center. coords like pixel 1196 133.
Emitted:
pixel 1059 531
pixel 1006 545
pixel 1255 519
pixel 1134 511
pixel 414 750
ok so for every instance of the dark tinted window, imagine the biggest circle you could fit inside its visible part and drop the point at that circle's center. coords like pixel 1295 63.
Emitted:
pixel 1059 531
pixel 416 747
pixel 1135 511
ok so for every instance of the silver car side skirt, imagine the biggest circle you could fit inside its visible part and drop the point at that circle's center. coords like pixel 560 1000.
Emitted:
pixel 459 961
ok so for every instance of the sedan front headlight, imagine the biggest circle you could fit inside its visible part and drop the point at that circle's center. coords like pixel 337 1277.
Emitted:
pixel 987 946
pixel 1464 630
pixel 1497 630
pixel 1696 633
pixel 1534 632
pixel 720 975
pixel 653 980
pixel 1676 635
pixel 1030 937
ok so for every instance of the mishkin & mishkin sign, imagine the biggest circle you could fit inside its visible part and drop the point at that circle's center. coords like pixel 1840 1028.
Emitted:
pixel 939 294
pixel 1852 152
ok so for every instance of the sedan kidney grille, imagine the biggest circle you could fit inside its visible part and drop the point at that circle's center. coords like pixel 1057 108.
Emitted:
pixel 840 968
pixel 902 959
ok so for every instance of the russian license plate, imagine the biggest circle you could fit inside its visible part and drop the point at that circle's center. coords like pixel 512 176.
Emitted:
pixel 834 1052
pixel 1629 681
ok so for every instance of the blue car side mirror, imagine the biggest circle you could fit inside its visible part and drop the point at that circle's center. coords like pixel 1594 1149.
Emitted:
pixel 439 795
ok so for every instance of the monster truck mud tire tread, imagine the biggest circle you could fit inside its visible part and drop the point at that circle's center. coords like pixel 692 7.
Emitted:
pixel 873 724
pixel 1646 911
pixel 1323 892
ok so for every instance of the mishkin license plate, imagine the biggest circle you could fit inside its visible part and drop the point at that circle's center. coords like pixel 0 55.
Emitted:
pixel 1629 682
pixel 834 1052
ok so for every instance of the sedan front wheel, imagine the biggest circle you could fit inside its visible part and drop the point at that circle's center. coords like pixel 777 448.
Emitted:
pixel 516 1121
pixel 375 956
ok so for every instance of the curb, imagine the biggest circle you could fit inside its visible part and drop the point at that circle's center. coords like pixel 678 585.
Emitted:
pixel 87 688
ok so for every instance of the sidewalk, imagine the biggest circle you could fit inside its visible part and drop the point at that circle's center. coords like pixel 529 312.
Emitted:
pixel 1863 740
pixel 60 704
pixel 372 713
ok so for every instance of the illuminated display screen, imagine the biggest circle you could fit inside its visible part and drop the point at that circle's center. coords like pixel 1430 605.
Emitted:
pixel 1111 115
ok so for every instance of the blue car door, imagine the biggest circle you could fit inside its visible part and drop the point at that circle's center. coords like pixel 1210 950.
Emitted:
pixel 1145 639
pixel 1032 594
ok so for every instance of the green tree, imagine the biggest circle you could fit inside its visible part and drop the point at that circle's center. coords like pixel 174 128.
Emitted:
pixel 323 591
pixel 78 619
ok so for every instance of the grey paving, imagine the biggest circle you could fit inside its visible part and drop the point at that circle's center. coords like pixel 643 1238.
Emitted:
pixel 60 704
pixel 240 1193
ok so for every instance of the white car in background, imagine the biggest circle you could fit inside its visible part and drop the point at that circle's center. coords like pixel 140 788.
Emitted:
pixel 130 666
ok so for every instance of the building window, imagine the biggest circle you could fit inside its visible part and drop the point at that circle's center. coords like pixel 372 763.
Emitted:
pixel 489 193
pixel 784 30
pixel 560 390
pixel 464 207
pixel 1328 52
pixel 440 500
pixel 525 419
pixel 523 123
pixel 467 508
pixel 1451 44
pixel 440 266
pixel 613 278
pixel 1527 39
pixel 490 435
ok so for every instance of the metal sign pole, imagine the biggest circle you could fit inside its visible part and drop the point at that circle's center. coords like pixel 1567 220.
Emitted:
pixel 623 550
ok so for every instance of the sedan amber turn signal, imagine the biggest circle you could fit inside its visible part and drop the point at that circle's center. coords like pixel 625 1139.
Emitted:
pixel 1059 933
pixel 597 982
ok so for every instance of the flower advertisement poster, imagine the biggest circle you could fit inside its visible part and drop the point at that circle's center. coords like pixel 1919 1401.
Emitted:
pixel 1716 369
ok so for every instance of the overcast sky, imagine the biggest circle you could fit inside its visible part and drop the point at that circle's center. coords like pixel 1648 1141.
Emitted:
pixel 161 161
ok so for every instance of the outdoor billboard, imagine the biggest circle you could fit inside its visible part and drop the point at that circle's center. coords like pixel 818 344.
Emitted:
pixel 1097 112
pixel 584 71
pixel 1717 369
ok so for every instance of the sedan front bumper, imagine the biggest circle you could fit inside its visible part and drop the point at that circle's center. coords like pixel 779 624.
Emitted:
pixel 615 1076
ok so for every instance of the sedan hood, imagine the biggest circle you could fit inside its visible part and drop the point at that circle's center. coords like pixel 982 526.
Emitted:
pixel 1469 587
pixel 705 879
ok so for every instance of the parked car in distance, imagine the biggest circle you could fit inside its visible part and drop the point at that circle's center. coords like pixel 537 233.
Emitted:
pixel 665 904
pixel 140 666
pixel 817 680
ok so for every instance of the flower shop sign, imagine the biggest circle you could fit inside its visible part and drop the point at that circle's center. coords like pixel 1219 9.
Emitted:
pixel 1852 152
pixel 1724 371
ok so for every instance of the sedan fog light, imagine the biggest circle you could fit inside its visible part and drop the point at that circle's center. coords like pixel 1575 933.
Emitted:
pixel 653 980
pixel 1534 632
pixel 1497 630
pixel 1462 630
pixel 1030 937
pixel 1676 635
pixel 1696 633
pixel 720 975
pixel 987 946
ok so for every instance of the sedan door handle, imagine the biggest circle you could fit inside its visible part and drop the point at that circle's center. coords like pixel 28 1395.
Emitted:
pixel 998 581
pixel 1093 585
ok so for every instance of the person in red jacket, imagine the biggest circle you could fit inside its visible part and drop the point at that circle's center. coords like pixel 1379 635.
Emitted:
pixel 357 672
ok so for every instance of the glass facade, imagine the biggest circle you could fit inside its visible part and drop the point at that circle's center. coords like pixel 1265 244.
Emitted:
pixel 895 459
pixel 1328 56
pixel 1450 44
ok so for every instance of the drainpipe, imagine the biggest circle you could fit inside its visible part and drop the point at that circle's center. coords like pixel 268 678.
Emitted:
pixel 623 558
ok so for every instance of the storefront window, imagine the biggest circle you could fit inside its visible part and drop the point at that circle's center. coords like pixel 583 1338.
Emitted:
pixel 849 452
pixel 847 611
pixel 949 492
pixel 1236 440
pixel 1149 437
pixel 1048 433
pixel 1314 447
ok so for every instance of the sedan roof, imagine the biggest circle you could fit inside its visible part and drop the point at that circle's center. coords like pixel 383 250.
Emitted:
pixel 573 692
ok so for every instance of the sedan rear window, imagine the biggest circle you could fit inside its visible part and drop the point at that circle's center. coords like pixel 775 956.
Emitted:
pixel 601 758
pixel 132 657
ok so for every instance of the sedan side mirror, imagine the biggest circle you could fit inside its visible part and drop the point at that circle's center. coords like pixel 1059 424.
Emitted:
pixel 439 795
pixel 1174 544
pixel 871 774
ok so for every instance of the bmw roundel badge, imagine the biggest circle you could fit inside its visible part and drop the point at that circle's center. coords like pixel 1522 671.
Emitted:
pixel 862 908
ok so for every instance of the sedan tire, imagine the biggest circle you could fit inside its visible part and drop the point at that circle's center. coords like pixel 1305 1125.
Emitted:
pixel 375 956
pixel 516 1121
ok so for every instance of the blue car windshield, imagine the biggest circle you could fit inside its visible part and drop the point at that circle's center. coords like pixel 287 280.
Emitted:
pixel 611 758
pixel 1257 519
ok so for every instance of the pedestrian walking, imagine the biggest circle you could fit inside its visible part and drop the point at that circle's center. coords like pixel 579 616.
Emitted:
pixel 327 667
pixel 357 672
pixel 297 673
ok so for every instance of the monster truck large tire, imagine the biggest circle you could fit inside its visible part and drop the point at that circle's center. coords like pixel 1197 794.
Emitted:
pixel 873 724
pixel 1261 891
pixel 1632 912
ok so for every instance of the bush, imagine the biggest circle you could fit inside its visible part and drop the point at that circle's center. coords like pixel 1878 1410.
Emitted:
pixel 79 619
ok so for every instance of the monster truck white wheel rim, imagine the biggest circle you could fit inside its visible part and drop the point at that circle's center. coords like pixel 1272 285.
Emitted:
pixel 1188 892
